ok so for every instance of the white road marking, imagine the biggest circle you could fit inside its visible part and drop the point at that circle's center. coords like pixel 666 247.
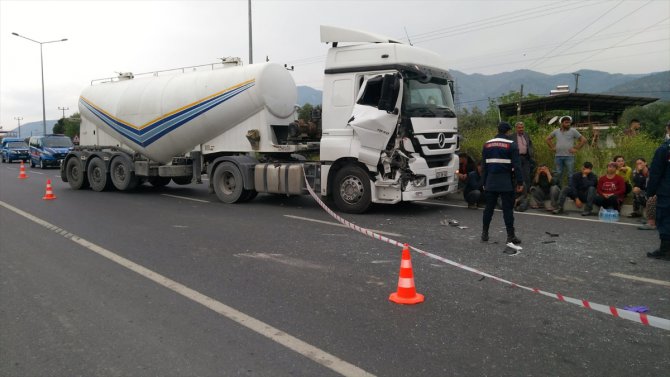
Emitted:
pixel 34 172
pixel 340 225
pixel 534 214
pixel 187 198
pixel 646 280
pixel 307 350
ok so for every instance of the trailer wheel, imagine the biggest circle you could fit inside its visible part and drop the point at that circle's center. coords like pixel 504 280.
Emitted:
pixel 122 175
pixel 74 172
pixel 98 177
pixel 182 180
pixel 351 192
pixel 159 181
pixel 227 182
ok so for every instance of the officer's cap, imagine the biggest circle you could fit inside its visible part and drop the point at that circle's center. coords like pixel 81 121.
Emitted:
pixel 504 127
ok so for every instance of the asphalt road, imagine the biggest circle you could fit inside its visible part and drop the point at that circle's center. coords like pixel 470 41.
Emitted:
pixel 67 310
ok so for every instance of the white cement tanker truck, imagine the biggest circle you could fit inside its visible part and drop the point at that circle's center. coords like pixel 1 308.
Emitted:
pixel 387 132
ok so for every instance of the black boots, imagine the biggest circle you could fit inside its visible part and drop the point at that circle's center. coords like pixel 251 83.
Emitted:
pixel 662 252
pixel 511 237
pixel 485 234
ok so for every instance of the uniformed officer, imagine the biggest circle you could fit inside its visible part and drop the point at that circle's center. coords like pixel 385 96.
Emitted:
pixel 659 185
pixel 500 162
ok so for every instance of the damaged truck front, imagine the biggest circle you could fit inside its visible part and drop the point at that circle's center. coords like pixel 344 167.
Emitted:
pixel 390 131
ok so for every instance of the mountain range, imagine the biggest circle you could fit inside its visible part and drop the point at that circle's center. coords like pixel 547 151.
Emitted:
pixel 475 89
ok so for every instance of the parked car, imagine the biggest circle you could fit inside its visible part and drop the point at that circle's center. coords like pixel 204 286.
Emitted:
pixel 48 150
pixel 14 149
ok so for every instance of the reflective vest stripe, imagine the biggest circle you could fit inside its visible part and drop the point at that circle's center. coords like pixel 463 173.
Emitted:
pixel 498 161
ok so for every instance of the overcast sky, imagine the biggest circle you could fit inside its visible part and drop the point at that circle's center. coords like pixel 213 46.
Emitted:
pixel 488 37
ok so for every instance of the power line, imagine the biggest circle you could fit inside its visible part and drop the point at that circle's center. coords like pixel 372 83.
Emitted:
pixel 533 64
pixel 629 37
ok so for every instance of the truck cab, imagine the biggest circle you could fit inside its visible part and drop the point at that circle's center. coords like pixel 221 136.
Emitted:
pixel 389 126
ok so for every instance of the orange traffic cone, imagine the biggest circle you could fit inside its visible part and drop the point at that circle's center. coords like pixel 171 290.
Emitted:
pixel 49 195
pixel 406 293
pixel 22 171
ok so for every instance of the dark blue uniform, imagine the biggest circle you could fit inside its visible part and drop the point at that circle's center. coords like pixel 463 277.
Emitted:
pixel 659 185
pixel 501 168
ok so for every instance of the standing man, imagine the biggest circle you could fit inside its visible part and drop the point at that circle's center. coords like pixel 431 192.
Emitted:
pixel 525 154
pixel 501 167
pixel 659 185
pixel 565 147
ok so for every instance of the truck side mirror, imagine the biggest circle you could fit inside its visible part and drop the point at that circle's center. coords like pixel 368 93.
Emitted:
pixel 389 95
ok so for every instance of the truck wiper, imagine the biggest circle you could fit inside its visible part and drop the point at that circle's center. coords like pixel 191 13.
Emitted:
pixel 450 112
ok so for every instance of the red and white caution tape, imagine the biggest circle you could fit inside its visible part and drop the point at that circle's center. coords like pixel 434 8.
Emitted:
pixel 642 318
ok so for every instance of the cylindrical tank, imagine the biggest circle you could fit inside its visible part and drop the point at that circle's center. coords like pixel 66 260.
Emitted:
pixel 165 116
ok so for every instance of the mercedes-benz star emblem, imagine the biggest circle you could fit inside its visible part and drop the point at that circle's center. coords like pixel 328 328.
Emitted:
pixel 441 140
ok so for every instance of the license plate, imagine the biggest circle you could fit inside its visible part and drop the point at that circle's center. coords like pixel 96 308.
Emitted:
pixel 441 173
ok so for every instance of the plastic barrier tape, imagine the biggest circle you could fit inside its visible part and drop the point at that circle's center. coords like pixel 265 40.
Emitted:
pixel 642 318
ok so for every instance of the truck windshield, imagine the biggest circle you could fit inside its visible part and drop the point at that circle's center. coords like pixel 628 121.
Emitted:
pixel 58 142
pixel 428 99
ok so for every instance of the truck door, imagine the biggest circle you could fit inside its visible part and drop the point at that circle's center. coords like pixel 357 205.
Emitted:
pixel 375 115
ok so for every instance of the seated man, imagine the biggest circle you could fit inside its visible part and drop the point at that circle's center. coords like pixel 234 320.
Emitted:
pixel 473 191
pixel 581 188
pixel 544 187
pixel 624 171
pixel 611 188
pixel 640 176
pixel 466 165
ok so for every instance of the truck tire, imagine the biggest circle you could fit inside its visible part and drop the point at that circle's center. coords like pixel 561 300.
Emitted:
pixel 228 184
pixel 159 181
pixel 182 180
pixel 122 175
pixel 74 172
pixel 351 191
pixel 248 195
pixel 98 177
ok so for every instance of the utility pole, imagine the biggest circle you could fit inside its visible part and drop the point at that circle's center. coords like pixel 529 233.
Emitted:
pixel 63 108
pixel 19 119
pixel 251 50
pixel 576 80
pixel 518 106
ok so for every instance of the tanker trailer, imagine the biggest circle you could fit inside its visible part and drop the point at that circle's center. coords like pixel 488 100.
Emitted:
pixel 388 132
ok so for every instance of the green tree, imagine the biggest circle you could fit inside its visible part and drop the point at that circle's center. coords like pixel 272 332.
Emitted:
pixel 652 117
pixel 305 112
pixel 70 125
pixel 59 127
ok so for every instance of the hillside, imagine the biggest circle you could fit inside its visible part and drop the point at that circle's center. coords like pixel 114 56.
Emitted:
pixel 655 85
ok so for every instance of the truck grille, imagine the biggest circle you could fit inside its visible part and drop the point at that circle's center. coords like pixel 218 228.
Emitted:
pixel 437 148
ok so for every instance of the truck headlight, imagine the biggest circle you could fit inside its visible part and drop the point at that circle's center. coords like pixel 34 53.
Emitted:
pixel 419 181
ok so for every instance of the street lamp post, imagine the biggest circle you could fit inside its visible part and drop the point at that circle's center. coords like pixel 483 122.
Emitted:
pixel 44 110
pixel 19 119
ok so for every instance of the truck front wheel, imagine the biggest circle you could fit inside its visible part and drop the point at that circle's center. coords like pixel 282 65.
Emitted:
pixel 227 182
pixel 98 177
pixel 74 172
pixel 351 191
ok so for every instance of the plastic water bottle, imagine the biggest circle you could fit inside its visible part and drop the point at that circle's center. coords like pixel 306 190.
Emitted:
pixel 608 215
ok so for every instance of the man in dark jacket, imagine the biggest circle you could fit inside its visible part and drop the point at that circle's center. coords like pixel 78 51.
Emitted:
pixel 501 167
pixel 473 191
pixel 582 189
pixel 659 185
